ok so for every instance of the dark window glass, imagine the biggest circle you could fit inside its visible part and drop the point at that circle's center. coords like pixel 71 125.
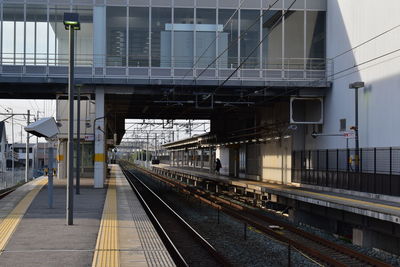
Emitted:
pixel 116 36
pixel 183 37
pixel 205 37
pixel 227 39
pixel 315 39
pixel 139 37
pixel 160 37
pixel 250 39
pixel 272 44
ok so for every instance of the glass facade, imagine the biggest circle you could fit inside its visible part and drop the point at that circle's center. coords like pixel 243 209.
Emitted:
pixel 164 37
pixel 294 39
pixel 249 43
pixel 84 39
pixel 206 44
pixel 272 35
pixel 315 39
pixel 139 41
pixel 227 44
pixel 160 38
pixel 116 36
pixel 183 37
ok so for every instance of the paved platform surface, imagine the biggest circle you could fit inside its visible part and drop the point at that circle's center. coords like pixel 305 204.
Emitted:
pixel 388 209
pixel 42 238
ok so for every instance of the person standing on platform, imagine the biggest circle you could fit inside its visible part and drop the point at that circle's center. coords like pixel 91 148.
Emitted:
pixel 218 165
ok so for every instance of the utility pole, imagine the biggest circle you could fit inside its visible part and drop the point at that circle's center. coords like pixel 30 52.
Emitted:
pixel 12 152
pixel 78 144
pixel 27 150
pixel 147 151
pixel 36 159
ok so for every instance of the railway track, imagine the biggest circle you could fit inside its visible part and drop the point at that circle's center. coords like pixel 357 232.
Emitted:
pixel 325 252
pixel 6 192
pixel 186 246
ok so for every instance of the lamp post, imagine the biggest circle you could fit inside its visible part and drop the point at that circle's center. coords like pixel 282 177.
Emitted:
pixel 71 23
pixel 356 86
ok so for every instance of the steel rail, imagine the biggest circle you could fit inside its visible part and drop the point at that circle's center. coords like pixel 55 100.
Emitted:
pixel 235 210
pixel 204 243
pixel 175 254
pixel 6 192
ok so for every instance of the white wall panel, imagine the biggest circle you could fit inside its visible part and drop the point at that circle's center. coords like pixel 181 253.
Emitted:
pixel 350 23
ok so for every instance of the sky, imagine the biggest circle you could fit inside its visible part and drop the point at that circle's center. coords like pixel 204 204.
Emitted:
pixel 46 108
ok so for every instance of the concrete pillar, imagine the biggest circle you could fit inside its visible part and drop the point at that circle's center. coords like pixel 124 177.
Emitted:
pixel 62 159
pixel 99 143
pixel 99 41
pixel 362 237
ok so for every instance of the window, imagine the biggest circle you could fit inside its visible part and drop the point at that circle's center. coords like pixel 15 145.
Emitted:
pixel 183 37
pixel 294 39
pixel 250 32
pixel 13 34
pixel 84 37
pixel 227 39
pixel 116 36
pixel 160 37
pixel 58 36
pixel 36 35
pixel 139 37
pixel 342 123
pixel 272 44
pixel 205 37
pixel 315 39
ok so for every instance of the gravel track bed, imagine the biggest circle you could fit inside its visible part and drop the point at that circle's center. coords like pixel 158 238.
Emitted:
pixel 382 255
pixel 228 236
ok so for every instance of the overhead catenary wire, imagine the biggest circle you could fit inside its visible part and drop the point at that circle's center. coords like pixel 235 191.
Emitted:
pixel 234 42
pixel 255 48
pixel 215 39
pixel 367 41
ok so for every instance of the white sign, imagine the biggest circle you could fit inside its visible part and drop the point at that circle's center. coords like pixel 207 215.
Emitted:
pixel 89 137
pixel 349 135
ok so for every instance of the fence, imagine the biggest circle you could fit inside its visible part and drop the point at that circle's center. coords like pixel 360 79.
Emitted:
pixel 7 180
pixel 379 169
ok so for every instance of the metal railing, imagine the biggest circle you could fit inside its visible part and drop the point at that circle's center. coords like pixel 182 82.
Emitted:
pixel 96 65
pixel 379 169
pixel 7 180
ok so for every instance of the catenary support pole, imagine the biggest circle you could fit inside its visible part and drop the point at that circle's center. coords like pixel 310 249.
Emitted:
pixel 27 151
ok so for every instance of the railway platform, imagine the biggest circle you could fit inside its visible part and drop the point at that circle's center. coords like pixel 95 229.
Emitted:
pixel 378 207
pixel 110 227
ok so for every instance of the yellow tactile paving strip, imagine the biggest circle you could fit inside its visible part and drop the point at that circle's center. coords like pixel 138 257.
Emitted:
pixel 10 223
pixel 107 248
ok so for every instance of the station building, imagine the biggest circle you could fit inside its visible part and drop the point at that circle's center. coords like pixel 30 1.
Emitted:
pixel 267 74
pixel 165 59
